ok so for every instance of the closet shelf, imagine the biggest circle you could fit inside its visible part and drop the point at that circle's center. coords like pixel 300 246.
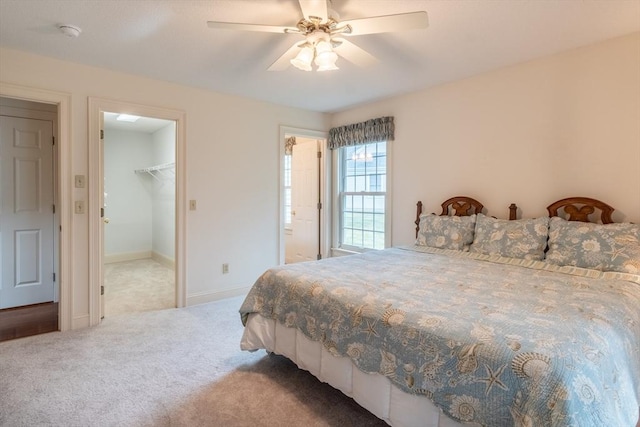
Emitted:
pixel 160 172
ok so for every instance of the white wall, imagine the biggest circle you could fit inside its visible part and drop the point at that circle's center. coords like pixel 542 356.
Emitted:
pixel 141 208
pixel 232 147
pixel 561 126
pixel 128 201
pixel 164 194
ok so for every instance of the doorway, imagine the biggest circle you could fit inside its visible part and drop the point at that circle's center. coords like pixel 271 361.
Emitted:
pixel 96 208
pixel 139 213
pixel 304 205
pixel 29 293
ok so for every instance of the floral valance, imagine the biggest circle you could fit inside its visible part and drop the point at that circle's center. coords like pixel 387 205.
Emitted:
pixel 374 130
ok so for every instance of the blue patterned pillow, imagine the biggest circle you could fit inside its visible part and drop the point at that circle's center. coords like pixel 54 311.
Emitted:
pixel 446 232
pixel 604 247
pixel 523 238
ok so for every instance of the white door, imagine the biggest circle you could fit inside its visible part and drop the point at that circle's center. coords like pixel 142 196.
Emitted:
pixel 305 219
pixel 26 211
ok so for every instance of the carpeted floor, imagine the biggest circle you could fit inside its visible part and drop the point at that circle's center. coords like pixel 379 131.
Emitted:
pixel 138 285
pixel 175 367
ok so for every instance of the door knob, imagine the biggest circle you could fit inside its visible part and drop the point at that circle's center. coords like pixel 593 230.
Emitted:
pixel 106 220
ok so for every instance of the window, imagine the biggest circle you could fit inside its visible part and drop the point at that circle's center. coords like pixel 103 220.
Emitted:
pixel 287 191
pixel 362 196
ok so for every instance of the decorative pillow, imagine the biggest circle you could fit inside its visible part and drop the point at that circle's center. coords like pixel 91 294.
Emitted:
pixel 604 247
pixel 523 238
pixel 446 232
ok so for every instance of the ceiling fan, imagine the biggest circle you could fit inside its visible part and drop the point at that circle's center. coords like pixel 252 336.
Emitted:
pixel 324 35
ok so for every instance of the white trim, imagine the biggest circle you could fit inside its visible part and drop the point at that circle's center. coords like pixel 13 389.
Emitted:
pixel 388 212
pixel 335 190
pixel 326 199
pixel 80 322
pixel 126 256
pixel 96 107
pixel 164 260
pixel 205 297
pixel 343 252
pixel 335 209
pixel 133 256
pixel 64 182
pixel 325 180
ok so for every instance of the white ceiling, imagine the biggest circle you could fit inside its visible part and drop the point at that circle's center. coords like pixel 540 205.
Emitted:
pixel 169 40
pixel 143 124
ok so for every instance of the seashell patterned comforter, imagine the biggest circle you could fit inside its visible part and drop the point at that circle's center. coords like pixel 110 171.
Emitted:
pixel 491 341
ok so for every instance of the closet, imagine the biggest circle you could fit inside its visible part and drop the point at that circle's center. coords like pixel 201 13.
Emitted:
pixel 139 215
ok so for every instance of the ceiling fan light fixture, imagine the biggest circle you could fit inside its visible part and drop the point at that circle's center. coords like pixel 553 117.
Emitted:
pixel 325 56
pixel 323 46
pixel 327 61
pixel 303 59
pixel 319 26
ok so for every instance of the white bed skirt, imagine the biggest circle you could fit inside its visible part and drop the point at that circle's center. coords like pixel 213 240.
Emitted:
pixel 373 392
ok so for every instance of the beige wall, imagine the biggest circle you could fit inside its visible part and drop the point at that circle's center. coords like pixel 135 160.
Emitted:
pixel 565 125
pixel 232 169
pixel 560 126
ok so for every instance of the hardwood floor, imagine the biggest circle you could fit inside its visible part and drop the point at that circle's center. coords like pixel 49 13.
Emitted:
pixel 29 320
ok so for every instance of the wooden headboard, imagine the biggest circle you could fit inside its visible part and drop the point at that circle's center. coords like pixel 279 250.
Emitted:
pixel 581 209
pixel 455 206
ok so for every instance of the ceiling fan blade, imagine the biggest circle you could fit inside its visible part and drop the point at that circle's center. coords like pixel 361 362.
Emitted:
pixel 387 23
pixel 284 61
pixel 251 27
pixel 314 8
pixel 353 53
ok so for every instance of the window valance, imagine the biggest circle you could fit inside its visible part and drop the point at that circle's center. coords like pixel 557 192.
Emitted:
pixel 374 130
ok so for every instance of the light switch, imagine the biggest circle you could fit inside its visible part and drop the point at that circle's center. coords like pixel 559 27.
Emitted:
pixel 192 205
pixel 79 181
pixel 79 207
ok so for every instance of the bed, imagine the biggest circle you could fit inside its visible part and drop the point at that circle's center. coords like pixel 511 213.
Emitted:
pixel 483 321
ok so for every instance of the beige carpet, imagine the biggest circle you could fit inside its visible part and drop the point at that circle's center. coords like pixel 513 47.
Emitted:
pixel 176 367
pixel 139 285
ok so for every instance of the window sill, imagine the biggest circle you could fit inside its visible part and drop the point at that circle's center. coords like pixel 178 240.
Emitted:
pixel 343 252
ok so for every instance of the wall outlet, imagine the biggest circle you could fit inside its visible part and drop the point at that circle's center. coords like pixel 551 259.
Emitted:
pixel 225 268
pixel 79 207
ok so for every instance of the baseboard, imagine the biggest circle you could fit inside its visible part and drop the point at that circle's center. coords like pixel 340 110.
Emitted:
pixel 126 256
pixel 166 261
pixel 80 322
pixel 205 297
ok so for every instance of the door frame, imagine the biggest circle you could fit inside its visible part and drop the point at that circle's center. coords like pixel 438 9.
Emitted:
pixel 97 106
pixel 62 191
pixel 325 176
